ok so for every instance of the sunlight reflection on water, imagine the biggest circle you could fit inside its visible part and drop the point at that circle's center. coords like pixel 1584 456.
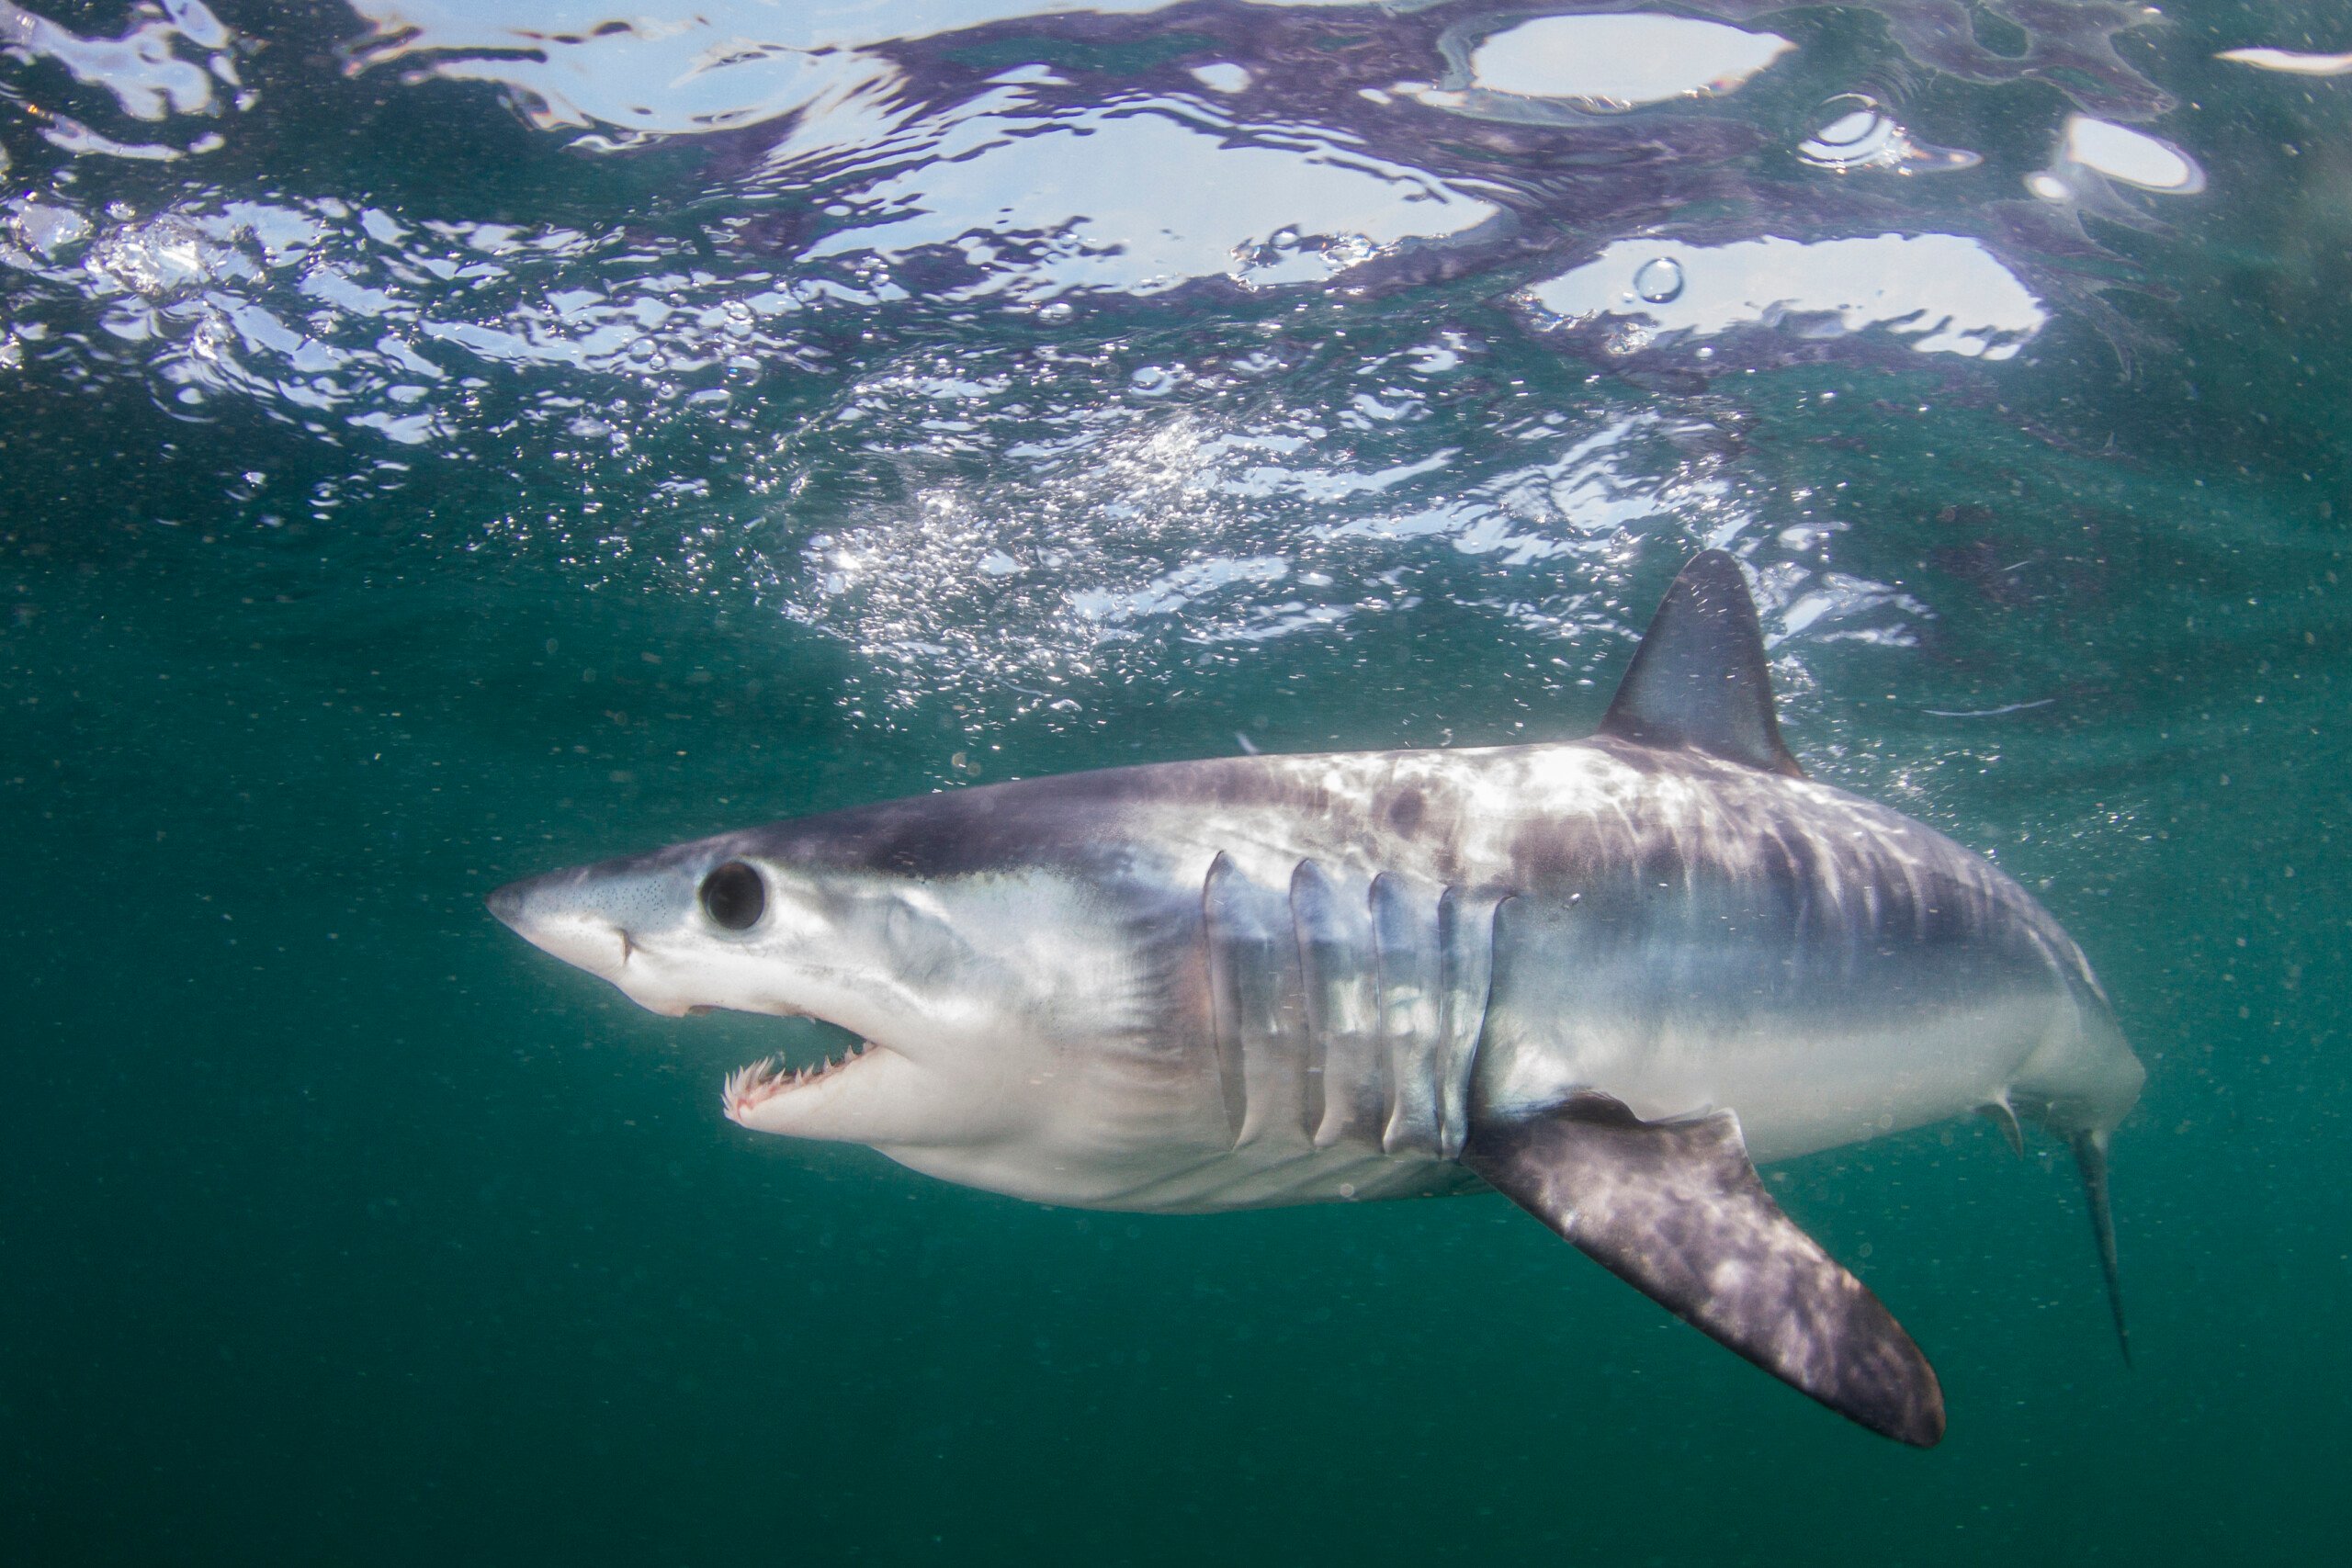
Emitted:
pixel 746 387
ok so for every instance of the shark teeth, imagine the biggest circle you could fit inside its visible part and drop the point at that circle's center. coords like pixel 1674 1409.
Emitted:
pixel 752 1085
pixel 748 1086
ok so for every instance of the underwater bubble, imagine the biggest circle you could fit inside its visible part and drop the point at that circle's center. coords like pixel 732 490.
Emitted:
pixel 1851 130
pixel 1659 280
pixel 1854 130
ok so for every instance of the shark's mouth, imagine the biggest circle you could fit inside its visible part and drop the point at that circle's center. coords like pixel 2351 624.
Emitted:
pixel 753 1085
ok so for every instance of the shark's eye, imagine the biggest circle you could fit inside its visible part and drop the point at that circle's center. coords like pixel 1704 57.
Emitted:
pixel 733 895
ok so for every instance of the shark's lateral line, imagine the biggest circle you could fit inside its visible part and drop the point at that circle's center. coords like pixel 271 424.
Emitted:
pixel 1602 978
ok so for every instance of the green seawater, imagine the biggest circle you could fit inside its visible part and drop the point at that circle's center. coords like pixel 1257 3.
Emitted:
pixel 338 1227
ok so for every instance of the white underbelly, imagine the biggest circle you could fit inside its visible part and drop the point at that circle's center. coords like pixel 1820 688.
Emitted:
pixel 1195 1179
pixel 1795 1086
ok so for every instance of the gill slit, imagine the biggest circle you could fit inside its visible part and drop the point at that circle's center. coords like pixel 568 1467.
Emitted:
pixel 1312 993
pixel 1233 1087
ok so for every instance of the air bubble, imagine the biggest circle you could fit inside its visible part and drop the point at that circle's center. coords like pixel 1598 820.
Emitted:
pixel 1659 280
pixel 1852 132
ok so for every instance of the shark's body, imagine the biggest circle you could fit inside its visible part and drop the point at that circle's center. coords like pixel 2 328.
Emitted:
pixel 1600 975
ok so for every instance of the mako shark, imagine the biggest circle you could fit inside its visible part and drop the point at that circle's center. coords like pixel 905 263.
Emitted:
pixel 1602 978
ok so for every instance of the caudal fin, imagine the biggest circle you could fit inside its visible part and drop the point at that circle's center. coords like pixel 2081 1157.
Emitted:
pixel 2091 1158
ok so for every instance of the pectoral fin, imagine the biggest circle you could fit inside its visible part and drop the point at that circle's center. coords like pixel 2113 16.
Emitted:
pixel 1675 1209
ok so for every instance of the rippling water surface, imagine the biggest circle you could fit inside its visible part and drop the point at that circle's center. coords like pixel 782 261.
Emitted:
pixel 440 441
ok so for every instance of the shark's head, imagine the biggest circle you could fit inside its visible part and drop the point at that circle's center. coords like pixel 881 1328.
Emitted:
pixel 722 923
pixel 966 991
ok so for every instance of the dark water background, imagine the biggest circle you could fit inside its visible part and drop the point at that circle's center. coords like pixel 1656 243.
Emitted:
pixel 430 454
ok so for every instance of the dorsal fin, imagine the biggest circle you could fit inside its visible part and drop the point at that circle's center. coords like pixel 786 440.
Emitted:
pixel 1699 678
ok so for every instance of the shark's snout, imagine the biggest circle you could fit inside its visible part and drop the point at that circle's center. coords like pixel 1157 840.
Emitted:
pixel 550 914
pixel 506 905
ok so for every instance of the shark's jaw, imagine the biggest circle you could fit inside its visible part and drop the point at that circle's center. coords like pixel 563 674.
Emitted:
pixel 818 1099
pixel 749 1088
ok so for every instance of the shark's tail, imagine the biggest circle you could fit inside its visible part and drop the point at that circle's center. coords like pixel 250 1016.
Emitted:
pixel 2080 1083
pixel 2091 1158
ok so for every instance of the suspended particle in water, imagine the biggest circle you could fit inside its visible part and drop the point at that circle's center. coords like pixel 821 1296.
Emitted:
pixel 1659 280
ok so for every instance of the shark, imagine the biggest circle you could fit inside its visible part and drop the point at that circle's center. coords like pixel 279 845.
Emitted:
pixel 1605 978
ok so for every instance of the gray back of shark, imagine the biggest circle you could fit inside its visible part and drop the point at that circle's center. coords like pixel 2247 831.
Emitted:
pixel 1601 978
